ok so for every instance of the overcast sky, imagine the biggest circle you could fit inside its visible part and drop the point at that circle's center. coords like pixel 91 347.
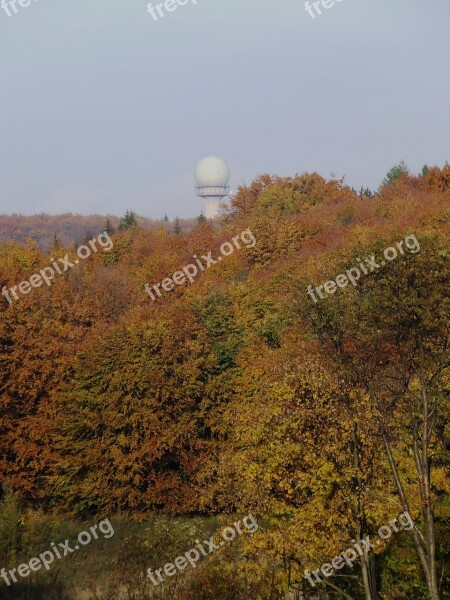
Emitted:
pixel 103 109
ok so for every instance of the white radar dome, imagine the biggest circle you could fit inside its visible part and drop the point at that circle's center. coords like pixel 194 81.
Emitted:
pixel 212 171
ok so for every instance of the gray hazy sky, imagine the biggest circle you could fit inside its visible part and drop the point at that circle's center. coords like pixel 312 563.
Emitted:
pixel 102 109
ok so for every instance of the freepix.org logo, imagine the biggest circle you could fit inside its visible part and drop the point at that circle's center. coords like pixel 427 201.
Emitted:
pixel 353 274
pixel 10 5
pixel 309 7
pixel 364 546
pixel 168 5
pixel 47 557
pixel 193 555
pixel 48 273
pixel 191 271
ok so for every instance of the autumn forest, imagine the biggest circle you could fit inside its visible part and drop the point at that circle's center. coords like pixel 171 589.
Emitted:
pixel 236 393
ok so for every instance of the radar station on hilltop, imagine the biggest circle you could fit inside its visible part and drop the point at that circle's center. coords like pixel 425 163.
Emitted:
pixel 212 175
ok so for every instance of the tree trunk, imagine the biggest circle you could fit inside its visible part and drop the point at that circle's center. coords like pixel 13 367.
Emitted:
pixel 367 563
pixel 428 413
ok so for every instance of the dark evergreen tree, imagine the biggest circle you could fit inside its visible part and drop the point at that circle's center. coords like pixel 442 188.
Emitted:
pixel 396 172
pixel 128 221
pixel 366 192
pixel 177 229
pixel 109 227
pixel 56 242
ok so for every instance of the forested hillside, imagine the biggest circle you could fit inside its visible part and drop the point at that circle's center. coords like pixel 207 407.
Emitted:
pixel 325 414
pixel 70 230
